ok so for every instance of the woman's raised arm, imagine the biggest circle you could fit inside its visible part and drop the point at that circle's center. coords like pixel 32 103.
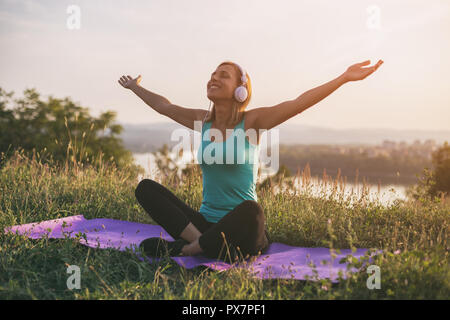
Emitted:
pixel 184 116
pixel 269 117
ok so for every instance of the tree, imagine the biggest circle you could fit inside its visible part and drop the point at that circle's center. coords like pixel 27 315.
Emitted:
pixel 441 174
pixel 65 130
pixel 6 121
pixel 436 181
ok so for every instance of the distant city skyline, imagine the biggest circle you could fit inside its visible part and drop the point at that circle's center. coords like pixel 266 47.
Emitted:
pixel 287 47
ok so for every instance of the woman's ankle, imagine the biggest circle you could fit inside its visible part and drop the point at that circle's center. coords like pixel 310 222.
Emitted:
pixel 192 249
pixel 190 233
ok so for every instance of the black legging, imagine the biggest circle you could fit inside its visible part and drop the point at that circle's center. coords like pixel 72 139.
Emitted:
pixel 243 227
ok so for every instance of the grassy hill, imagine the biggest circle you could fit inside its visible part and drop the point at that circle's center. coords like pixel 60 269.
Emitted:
pixel 413 235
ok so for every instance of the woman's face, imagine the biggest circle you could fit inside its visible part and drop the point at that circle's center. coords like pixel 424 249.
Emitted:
pixel 222 84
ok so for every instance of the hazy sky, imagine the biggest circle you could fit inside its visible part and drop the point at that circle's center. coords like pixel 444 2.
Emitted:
pixel 287 47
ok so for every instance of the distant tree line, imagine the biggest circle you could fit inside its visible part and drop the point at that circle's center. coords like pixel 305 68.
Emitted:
pixel 393 169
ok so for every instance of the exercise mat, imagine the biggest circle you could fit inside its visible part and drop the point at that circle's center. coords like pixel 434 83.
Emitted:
pixel 279 261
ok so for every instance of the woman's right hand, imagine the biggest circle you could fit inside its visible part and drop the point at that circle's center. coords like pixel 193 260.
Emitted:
pixel 128 82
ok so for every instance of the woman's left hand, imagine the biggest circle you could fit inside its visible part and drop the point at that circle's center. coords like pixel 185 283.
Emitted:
pixel 357 72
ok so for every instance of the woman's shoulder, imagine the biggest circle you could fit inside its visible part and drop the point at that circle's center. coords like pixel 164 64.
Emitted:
pixel 249 119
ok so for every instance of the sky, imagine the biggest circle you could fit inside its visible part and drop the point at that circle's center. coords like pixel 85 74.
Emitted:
pixel 287 48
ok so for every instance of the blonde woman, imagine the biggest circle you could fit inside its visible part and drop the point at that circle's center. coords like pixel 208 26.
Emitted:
pixel 230 223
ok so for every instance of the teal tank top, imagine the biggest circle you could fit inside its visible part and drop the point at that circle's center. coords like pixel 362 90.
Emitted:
pixel 229 169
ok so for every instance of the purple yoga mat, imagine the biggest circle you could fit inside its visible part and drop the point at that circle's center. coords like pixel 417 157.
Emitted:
pixel 280 260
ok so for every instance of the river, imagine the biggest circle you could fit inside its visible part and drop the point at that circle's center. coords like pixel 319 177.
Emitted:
pixel 385 193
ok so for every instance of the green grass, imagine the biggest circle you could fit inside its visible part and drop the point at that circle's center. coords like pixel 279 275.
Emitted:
pixel 413 237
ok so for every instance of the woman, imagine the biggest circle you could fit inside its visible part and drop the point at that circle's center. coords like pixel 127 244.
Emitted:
pixel 230 223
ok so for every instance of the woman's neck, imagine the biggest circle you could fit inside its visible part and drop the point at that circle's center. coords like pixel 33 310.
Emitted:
pixel 222 116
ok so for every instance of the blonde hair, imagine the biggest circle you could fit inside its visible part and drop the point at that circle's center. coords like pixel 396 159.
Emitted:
pixel 237 107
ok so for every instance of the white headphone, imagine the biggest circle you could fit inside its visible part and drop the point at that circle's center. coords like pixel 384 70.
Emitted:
pixel 240 93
